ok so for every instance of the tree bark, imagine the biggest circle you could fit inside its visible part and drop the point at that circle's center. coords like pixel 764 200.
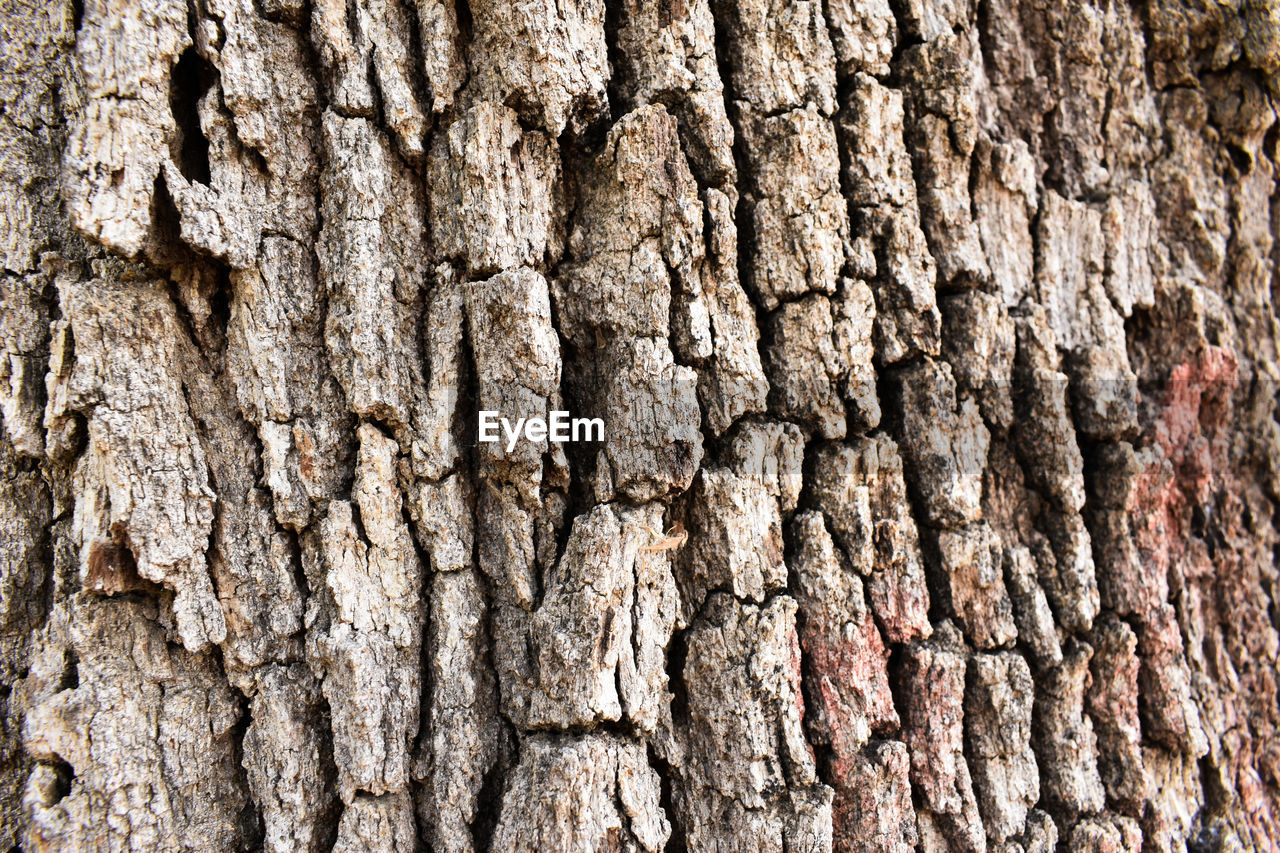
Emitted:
pixel 934 342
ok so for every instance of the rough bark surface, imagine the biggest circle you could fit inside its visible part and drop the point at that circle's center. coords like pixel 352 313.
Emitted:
pixel 936 346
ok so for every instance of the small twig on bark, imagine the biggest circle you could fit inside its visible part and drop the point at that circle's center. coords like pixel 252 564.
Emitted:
pixel 669 541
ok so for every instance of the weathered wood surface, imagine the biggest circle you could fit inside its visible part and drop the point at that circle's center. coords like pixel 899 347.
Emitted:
pixel 944 328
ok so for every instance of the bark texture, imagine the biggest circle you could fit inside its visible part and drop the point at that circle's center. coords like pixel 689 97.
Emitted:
pixel 944 330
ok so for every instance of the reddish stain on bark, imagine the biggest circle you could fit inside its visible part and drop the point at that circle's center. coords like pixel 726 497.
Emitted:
pixel 1185 454
pixel 1195 469
pixel 796 671
pixel 850 680
pixel 306 453
pixel 872 807
pixel 1189 432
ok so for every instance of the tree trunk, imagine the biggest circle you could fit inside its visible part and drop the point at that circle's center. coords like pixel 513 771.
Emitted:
pixel 933 341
